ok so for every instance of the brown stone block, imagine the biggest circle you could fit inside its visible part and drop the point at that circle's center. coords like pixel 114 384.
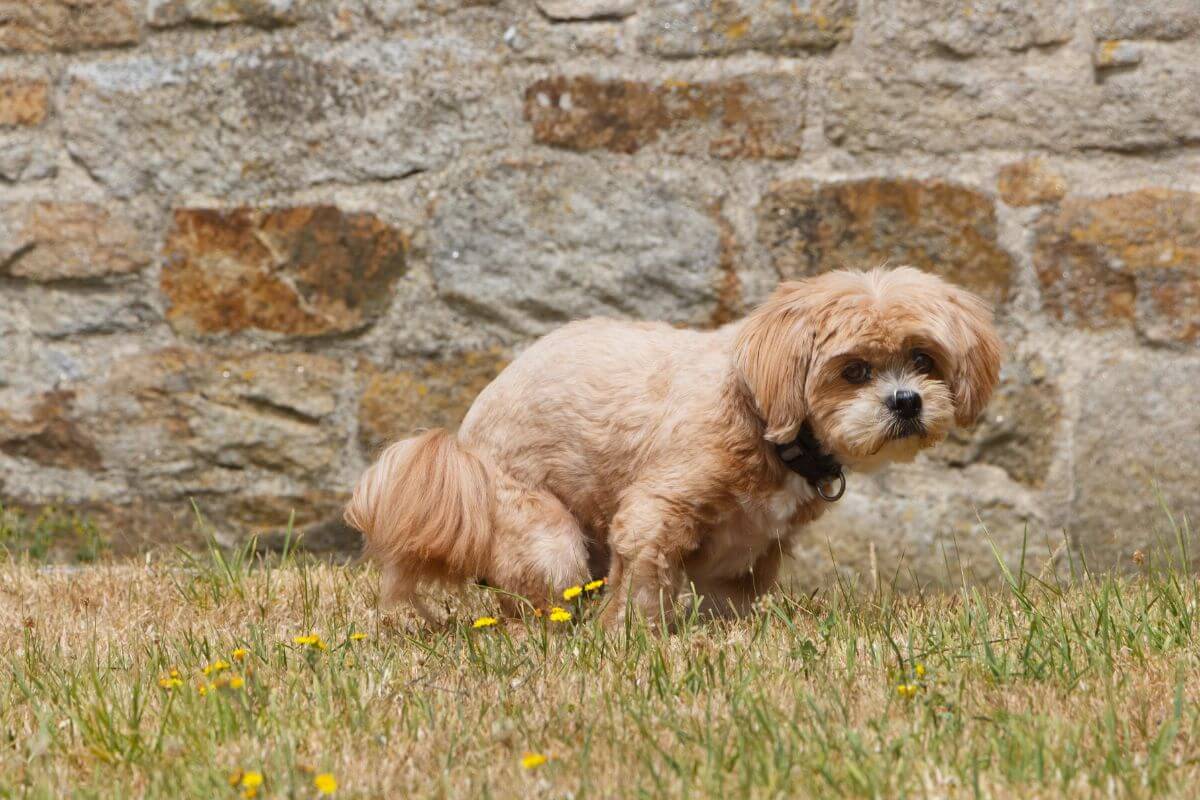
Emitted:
pixel 586 114
pixel 1030 183
pixel 809 228
pixel 23 102
pixel 1125 259
pixel 755 116
pixel 36 26
pixel 306 271
pixel 430 394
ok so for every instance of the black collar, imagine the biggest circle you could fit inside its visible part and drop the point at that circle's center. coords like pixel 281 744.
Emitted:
pixel 804 456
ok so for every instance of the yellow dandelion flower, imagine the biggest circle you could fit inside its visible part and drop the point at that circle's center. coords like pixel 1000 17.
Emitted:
pixel 559 615
pixel 240 654
pixel 325 783
pixel 216 666
pixel 249 793
pixel 919 670
pixel 533 760
pixel 906 690
pixel 572 592
pixel 170 683
pixel 592 586
pixel 237 682
pixel 311 640
pixel 484 622
pixel 174 673
pixel 358 636
pixel 204 688
pixel 252 780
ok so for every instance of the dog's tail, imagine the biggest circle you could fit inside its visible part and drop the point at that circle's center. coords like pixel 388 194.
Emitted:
pixel 425 510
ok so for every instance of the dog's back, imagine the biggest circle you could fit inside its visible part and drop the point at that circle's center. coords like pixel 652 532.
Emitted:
pixel 617 389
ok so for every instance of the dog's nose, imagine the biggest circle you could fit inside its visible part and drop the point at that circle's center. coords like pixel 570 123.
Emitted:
pixel 905 403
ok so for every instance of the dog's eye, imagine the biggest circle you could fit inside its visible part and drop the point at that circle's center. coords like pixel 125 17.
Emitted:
pixel 922 362
pixel 857 372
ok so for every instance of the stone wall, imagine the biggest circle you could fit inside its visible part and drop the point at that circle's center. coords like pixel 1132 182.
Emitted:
pixel 242 242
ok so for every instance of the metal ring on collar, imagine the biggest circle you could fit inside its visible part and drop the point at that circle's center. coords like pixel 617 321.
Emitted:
pixel 835 496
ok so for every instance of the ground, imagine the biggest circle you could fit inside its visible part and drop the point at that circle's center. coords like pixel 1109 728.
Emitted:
pixel 227 675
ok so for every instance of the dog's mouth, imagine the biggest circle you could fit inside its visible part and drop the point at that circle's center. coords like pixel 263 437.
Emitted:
pixel 897 431
pixel 903 429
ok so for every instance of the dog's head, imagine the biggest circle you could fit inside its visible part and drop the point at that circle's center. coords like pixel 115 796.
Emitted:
pixel 881 364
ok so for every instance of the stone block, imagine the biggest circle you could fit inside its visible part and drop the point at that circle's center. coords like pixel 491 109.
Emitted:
pixel 48 241
pixel 525 247
pixel 1127 259
pixel 302 271
pixel 754 116
pixel 39 26
pixel 690 28
pixel 1029 183
pixel 24 102
pixel 243 122
pixel 1135 447
pixel 808 228
pixel 433 393
pixel 940 106
pixel 965 28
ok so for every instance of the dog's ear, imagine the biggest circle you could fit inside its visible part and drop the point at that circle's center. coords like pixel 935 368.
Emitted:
pixel 772 356
pixel 975 350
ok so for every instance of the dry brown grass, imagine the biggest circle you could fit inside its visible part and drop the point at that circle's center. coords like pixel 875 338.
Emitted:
pixel 1027 690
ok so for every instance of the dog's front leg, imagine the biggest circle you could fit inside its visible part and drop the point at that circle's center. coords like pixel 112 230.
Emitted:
pixel 649 538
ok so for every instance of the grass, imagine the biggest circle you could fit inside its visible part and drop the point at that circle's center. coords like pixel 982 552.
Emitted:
pixel 1032 688
pixel 50 535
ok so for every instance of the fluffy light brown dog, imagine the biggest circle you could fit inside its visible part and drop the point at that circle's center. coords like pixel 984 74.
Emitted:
pixel 659 457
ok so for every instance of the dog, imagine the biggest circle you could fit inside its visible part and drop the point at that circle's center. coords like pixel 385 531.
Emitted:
pixel 660 457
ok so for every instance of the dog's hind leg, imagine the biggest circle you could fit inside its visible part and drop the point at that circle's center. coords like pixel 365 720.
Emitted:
pixel 734 597
pixel 540 548
pixel 398 587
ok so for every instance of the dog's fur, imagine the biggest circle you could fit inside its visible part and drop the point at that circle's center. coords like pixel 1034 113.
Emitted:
pixel 646 453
